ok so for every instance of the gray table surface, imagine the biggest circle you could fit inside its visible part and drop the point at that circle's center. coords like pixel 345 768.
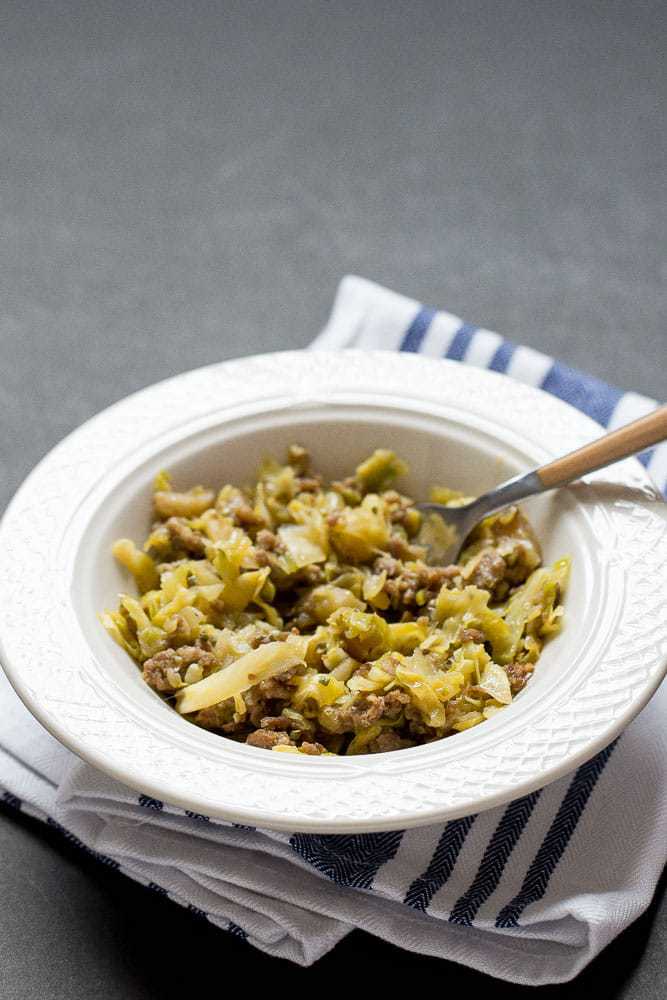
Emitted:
pixel 188 182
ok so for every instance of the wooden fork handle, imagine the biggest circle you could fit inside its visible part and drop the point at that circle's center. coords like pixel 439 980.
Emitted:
pixel 628 440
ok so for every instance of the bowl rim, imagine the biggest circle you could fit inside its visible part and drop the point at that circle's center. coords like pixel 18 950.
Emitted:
pixel 357 791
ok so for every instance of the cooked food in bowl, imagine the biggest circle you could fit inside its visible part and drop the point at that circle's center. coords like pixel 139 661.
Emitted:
pixel 310 617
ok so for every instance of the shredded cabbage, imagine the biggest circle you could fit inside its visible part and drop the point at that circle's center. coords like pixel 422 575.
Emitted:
pixel 258 665
pixel 296 613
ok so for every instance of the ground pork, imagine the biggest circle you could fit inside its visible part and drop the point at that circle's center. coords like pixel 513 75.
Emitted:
pixel 157 670
pixel 298 458
pixel 186 537
pixel 387 740
pixel 486 571
pixel 404 582
pixel 218 716
pixel 350 490
pixel 236 505
pixel 400 548
pixel 268 549
pixel 416 725
pixel 180 632
pixel 308 484
pixel 267 739
pixel 312 576
pixel 269 697
pixel 246 517
pixel 312 748
pixel 349 718
pixel 276 722
pixel 518 675
pixel 471 635
pixel 267 540
pixel 399 506
pixel 523 558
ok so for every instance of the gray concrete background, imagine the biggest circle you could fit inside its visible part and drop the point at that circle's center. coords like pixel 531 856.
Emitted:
pixel 187 182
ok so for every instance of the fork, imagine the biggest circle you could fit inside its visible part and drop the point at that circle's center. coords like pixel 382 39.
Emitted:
pixel 629 440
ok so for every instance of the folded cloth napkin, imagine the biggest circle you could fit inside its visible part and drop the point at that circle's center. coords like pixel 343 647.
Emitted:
pixel 529 892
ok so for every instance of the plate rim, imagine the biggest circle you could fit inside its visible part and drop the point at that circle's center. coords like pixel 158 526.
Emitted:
pixel 159 787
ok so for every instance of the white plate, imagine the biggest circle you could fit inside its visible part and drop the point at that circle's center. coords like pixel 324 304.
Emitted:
pixel 454 424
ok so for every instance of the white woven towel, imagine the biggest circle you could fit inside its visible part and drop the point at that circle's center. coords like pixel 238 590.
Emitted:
pixel 530 892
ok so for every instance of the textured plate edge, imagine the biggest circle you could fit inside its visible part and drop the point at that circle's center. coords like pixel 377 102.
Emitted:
pixel 271 820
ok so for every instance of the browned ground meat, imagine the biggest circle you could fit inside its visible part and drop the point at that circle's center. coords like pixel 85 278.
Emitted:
pixel 365 715
pixel 436 576
pixel 403 589
pixel 267 540
pixel 180 632
pixel 308 484
pixel 278 686
pixel 267 739
pixel 268 548
pixel 471 635
pixel 247 517
pixel 235 504
pixel 348 719
pixel 431 576
pixel 350 490
pixel 400 506
pixel 388 740
pixel 389 565
pixel 404 581
pixel 415 722
pixel 518 674
pixel 155 669
pixel 218 716
pixel 298 458
pixel 394 703
pixel 312 748
pixel 276 722
pixel 521 562
pixel 269 697
pixel 186 537
pixel 400 548
pixel 311 575
pixel 488 572
pixel 278 635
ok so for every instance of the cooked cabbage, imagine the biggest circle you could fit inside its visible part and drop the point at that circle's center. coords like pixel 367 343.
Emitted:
pixel 315 618
pixel 258 665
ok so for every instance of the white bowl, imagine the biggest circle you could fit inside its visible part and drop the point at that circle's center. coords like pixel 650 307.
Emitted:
pixel 455 425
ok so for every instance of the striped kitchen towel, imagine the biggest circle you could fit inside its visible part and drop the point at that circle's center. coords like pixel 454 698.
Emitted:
pixel 368 316
pixel 529 892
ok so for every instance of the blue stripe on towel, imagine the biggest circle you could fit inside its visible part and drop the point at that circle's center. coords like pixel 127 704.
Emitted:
pixel 352 860
pixel 441 865
pixel 553 846
pixel 148 803
pixel 237 931
pixel 595 398
pixel 502 357
pixel 159 889
pixel 415 333
pixel 461 342
pixel 489 873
